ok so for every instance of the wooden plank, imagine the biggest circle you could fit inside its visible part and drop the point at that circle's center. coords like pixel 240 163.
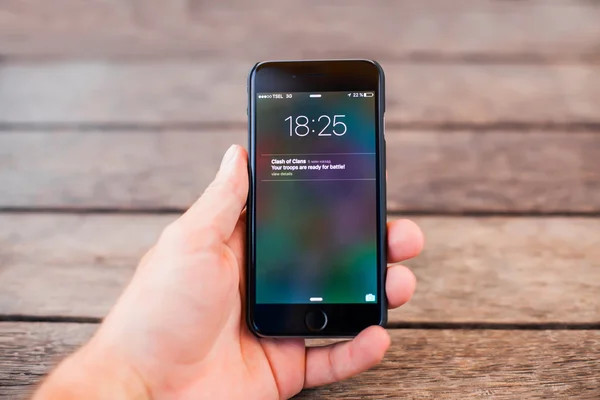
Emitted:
pixel 473 270
pixel 446 364
pixel 441 364
pixel 45 344
pixel 286 29
pixel 506 270
pixel 455 171
pixel 212 91
pixel 90 258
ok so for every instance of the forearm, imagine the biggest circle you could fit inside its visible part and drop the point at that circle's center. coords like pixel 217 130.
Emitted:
pixel 92 374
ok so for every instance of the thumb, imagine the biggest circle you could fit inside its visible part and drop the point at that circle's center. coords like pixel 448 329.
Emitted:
pixel 221 204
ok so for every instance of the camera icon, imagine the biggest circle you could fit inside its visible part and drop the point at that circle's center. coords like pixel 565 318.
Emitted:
pixel 370 297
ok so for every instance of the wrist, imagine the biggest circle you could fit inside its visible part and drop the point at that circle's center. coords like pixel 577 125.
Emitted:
pixel 93 373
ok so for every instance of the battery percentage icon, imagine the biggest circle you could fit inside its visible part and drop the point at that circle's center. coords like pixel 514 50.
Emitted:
pixel 369 94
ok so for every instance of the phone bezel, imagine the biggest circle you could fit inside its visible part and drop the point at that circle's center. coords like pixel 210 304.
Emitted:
pixel 288 320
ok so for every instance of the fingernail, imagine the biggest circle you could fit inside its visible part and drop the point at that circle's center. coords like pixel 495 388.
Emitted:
pixel 229 156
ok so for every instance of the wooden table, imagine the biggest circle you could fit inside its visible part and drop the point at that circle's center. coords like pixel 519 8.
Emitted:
pixel 114 115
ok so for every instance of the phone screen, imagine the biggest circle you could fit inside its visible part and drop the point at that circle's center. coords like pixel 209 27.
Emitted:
pixel 316 198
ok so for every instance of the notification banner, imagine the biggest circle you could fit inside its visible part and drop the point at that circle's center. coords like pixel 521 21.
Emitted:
pixel 351 166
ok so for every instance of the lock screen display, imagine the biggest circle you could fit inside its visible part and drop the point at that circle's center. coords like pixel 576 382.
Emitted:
pixel 316 198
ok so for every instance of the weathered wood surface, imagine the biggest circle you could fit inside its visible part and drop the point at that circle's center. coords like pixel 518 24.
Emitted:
pixel 438 364
pixel 196 92
pixel 454 171
pixel 30 350
pixel 532 30
pixel 70 265
pixel 457 364
pixel 473 270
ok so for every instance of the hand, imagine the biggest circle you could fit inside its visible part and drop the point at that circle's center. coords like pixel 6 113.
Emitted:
pixel 178 330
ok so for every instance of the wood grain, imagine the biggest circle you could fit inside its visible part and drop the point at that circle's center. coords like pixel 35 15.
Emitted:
pixel 30 350
pixel 274 29
pixel 429 171
pixel 473 270
pixel 421 364
pixel 446 364
pixel 70 265
pixel 506 270
pixel 213 92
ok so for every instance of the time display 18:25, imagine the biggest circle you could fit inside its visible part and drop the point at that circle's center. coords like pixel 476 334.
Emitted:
pixel 299 126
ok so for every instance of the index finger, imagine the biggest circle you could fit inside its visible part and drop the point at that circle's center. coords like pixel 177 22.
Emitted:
pixel 405 240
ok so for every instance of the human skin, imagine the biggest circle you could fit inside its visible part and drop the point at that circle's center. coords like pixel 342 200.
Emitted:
pixel 178 330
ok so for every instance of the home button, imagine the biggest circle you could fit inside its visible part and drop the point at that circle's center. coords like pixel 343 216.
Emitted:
pixel 316 320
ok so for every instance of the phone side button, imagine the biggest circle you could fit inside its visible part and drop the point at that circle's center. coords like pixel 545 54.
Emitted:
pixel 316 320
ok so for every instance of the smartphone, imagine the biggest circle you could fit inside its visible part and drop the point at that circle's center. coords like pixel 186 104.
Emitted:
pixel 316 207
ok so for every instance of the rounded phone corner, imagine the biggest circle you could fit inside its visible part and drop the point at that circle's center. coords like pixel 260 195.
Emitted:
pixel 383 321
pixel 375 64
pixel 255 330
pixel 255 69
pixel 251 74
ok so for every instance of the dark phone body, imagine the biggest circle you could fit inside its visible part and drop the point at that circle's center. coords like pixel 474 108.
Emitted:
pixel 317 319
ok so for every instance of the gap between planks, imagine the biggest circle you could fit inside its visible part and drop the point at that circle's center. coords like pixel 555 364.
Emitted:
pixel 514 127
pixel 423 57
pixel 394 214
pixel 425 325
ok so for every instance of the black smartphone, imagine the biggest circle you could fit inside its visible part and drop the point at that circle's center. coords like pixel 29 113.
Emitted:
pixel 316 207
